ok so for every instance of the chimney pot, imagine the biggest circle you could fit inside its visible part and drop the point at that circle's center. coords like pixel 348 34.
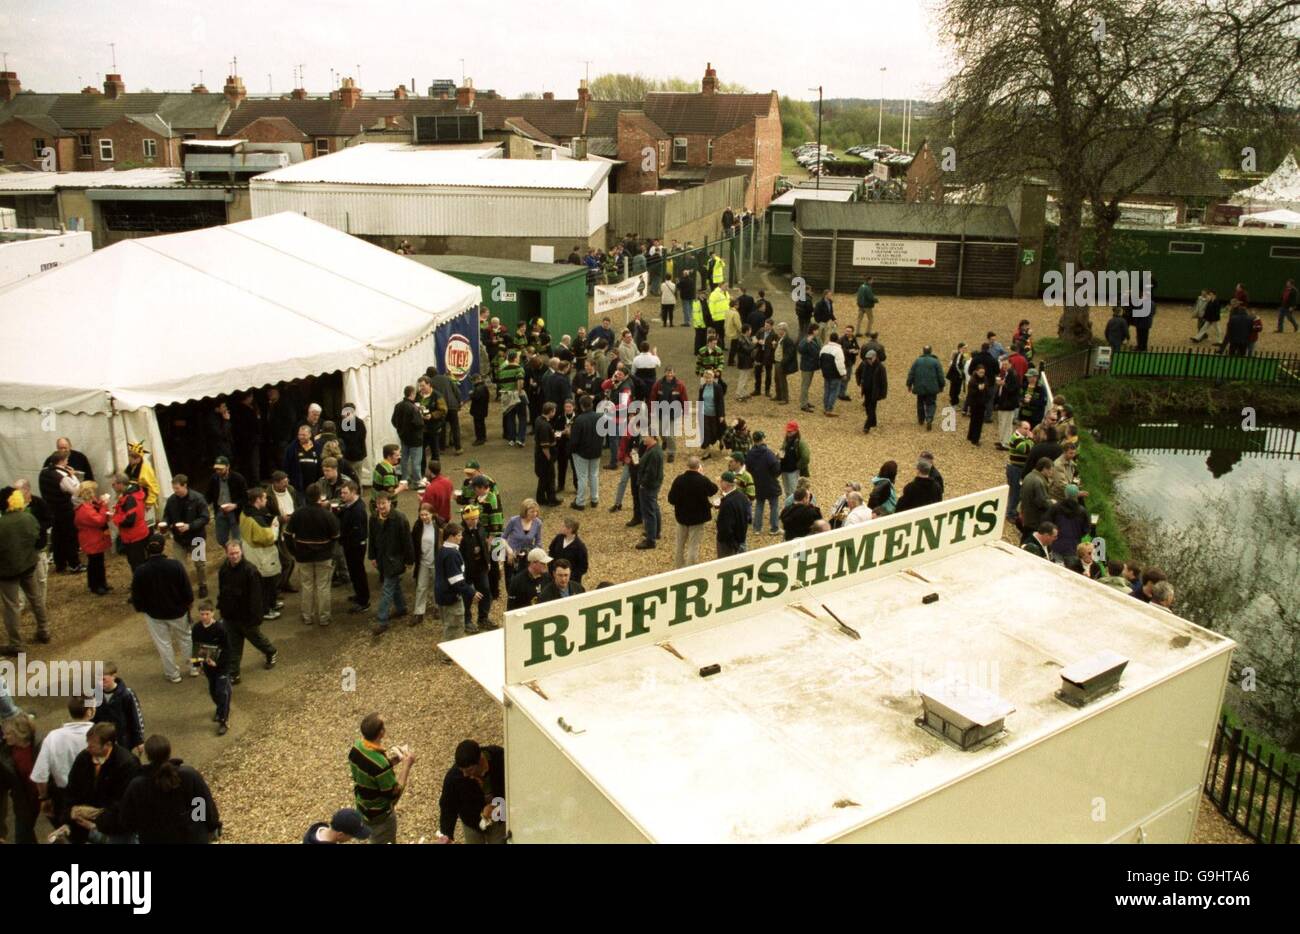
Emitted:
pixel 349 93
pixel 399 93
pixel 548 95
pixel 298 94
pixel 199 89
pixel 234 89
pixel 465 95
pixel 10 86
pixel 710 83
pixel 114 86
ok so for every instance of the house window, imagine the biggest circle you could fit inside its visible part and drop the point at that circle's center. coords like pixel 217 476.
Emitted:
pixel 1190 247
pixel 710 152
pixel 150 148
pixel 322 146
pixel 679 148
pixel 106 150
pixel 37 146
pixel 83 146
pixel 1284 252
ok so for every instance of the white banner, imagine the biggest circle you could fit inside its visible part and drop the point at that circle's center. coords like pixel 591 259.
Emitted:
pixel 894 253
pixel 627 292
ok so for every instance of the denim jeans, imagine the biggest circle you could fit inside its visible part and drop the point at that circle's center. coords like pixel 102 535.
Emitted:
pixel 219 691
pixel 391 598
pixel 514 422
pixel 651 520
pixel 1014 472
pixel 925 407
pixel 588 472
pixel 623 480
pixel 830 392
pixel 789 480
pixel 773 509
pixel 412 463
pixel 227 524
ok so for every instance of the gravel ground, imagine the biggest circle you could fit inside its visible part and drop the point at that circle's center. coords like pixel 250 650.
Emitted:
pixel 284 763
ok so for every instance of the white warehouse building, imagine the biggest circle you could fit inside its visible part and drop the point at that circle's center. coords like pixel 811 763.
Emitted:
pixel 445 199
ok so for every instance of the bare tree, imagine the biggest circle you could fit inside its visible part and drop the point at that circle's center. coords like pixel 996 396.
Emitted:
pixel 1103 96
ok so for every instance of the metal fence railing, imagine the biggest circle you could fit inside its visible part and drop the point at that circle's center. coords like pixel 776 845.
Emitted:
pixel 1196 363
pixel 740 252
pixel 1257 794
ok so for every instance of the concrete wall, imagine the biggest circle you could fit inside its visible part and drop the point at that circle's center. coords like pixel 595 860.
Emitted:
pixel 494 247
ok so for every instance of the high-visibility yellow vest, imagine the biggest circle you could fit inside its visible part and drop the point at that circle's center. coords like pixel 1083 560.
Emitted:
pixel 719 302
pixel 719 270
pixel 697 313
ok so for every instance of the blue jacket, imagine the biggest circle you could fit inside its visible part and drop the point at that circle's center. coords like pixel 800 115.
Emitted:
pixel 765 467
pixel 926 376
pixel 449 584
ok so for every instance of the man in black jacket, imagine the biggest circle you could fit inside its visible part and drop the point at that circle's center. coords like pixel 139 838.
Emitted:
pixel 227 492
pixel 121 708
pixel 239 598
pixel 585 446
pixel 76 460
pixel 474 792
pixel 526 586
pixel 561 584
pixel 391 552
pixel 408 421
pixel 313 529
pixel 448 390
pixel 824 316
pixel 921 490
pixel 797 519
pixel 352 435
pixel 477 558
pixel 58 482
pixel 650 478
pixel 96 783
pixel 354 532
pixel 160 589
pixel 186 515
pixel 734 516
pixel 544 455
pixel 690 498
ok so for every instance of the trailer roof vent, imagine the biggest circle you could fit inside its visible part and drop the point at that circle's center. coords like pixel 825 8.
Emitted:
pixel 1084 681
pixel 963 714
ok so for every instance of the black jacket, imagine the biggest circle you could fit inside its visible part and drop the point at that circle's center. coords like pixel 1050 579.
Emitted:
pixel 650 470
pixel 390 544
pixel 240 594
pixel 464 798
pixel 102 789
pixel 122 709
pixel 734 516
pixel 765 467
pixel 409 423
pixel 238 493
pixel 823 311
pixel 920 491
pixel 1239 327
pixel 797 519
pixel 1116 330
pixel 789 355
pixel 313 531
pixel 575 554
pixel 352 438
pixel 1008 399
pixel 354 524
pixel 160 588
pixel 478 401
pixel 190 509
pixel 584 436
pixel 185 814
pixel 525 590
pixel 689 497
pixel 551 592
pixel 60 503
pixel 273 506
pixel 476 554
pixel 556 388
pixel 872 380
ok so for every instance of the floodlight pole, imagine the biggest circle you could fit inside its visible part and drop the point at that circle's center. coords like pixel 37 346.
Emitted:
pixel 880 122
pixel 820 165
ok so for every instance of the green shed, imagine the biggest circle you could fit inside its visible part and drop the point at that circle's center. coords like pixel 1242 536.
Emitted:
pixel 1184 260
pixel 780 220
pixel 516 290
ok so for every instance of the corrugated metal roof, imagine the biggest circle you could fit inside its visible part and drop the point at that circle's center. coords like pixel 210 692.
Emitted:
pixel 130 178
pixel 976 220
pixel 514 268
pixel 397 165
pixel 811 194
pixel 602 146
pixel 705 114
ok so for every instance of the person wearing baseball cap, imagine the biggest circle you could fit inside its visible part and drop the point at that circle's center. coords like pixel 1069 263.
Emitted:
pixel 526 586
pixel 734 516
pixel 796 457
pixel 345 825
pixel 227 493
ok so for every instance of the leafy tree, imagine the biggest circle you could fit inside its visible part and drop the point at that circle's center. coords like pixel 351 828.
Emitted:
pixel 622 86
pixel 1107 95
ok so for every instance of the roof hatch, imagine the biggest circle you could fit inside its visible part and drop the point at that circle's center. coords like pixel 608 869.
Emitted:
pixel 963 714
pixel 1084 681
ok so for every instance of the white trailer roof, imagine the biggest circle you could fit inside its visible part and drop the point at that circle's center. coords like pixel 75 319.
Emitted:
pixel 402 164
pixel 811 194
pixel 806 732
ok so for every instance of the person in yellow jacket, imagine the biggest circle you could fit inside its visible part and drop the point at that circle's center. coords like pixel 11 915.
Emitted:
pixel 697 321
pixel 259 530
pixel 141 473
pixel 719 269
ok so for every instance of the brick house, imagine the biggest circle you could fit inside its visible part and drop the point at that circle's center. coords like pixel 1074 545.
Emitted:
pixel 106 129
pixel 699 137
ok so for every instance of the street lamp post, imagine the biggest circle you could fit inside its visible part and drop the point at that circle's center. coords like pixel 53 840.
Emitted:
pixel 880 122
pixel 819 136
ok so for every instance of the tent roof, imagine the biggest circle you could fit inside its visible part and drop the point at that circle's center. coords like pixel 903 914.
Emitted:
pixel 1279 190
pixel 1279 216
pixel 276 298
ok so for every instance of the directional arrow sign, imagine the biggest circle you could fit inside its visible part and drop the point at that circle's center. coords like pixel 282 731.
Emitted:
pixel 911 253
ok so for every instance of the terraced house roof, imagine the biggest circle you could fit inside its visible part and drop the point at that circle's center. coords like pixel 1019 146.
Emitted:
pixel 706 114
pixel 95 111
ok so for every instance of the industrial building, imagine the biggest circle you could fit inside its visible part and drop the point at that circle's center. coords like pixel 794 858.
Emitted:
pixel 859 685
pixel 453 199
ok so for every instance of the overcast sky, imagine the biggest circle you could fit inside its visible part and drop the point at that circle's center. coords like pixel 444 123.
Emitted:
pixel 510 45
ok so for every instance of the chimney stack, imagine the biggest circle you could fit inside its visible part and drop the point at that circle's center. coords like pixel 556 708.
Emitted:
pixel 710 83
pixel 114 86
pixel 298 94
pixel 234 90
pixel 91 89
pixel 584 94
pixel 9 85
pixel 399 93
pixel 199 89
pixel 349 94
pixel 548 95
pixel 465 95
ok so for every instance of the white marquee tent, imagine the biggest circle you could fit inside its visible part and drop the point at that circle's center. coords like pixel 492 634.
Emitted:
pixel 1281 190
pixel 91 348
pixel 1281 217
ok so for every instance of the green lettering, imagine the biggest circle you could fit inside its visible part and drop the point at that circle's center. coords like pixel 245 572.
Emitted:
pixel 642 611
pixel 962 515
pixel 851 558
pixel 773 571
pixel 733 586
pixel 537 631
pixel 696 599
pixel 597 619
pixel 987 515
pixel 823 573
pixel 929 529
pixel 896 538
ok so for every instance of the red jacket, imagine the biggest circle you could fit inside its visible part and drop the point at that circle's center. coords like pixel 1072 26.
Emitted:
pixel 438 495
pixel 92 527
pixel 129 516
